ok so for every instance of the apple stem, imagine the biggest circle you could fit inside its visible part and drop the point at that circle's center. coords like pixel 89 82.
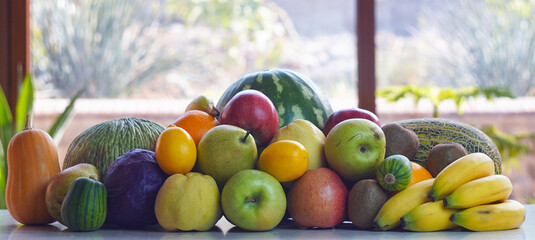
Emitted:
pixel 250 199
pixel 390 178
pixel 245 138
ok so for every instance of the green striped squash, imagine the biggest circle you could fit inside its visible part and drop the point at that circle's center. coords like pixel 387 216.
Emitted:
pixel 84 207
pixel 294 96
pixel 394 173
pixel 101 144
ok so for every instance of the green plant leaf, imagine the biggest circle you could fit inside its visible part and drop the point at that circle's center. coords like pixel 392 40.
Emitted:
pixel 6 128
pixel 436 95
pixel 6 120
pixel 24 103
pixel 511 146
pixel 58 128
pixel 446 93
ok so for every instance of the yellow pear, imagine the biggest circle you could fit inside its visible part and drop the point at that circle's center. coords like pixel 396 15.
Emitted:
pixel 310 136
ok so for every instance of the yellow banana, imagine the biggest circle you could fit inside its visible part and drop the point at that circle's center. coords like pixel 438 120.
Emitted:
pixel 203 103
pixel 431 216
pixel 491 217
pixel 480 191
pixel 402 203
pixel 459 172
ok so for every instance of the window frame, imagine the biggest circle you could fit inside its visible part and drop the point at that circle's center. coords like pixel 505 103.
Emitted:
pixel 14 46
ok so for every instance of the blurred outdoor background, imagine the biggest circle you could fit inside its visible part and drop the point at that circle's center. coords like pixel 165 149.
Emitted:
pixel 150 58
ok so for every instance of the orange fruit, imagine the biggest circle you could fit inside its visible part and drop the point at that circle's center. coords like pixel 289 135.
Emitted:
pixel 175 151
pixel 419 174
pixel 286 160
pixel 196 123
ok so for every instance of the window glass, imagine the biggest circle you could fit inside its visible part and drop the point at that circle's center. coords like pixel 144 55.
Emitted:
pixel 485 43
pixel 179 49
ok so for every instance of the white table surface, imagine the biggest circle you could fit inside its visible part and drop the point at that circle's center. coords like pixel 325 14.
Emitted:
pixel 10 229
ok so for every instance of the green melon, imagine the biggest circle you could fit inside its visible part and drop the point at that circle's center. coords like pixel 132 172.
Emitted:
pixel 433 131
pixel 101 144
pixel 294 96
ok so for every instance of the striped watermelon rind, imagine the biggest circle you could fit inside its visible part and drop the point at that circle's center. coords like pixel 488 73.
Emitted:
pixel 294 96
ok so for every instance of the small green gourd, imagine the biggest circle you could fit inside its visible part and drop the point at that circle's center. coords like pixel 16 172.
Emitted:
pixel 85 205
pixel 394 173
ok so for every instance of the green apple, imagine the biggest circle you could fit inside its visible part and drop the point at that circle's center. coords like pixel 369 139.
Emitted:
pixel 306 133
pixel 188 202
pixel 354 148
pixel 59 185
pixel 253 200
pixel 225 150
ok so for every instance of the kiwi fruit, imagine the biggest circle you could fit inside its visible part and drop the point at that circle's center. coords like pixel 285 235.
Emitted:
pixel 442 154
pixel 400 140
pixel 364 202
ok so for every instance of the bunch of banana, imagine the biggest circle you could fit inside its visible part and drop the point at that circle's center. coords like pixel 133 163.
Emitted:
pixel 491 217
pixel 431 216
pixel 459 172
pixel 495 188
pixel 402 203
pixel 468 194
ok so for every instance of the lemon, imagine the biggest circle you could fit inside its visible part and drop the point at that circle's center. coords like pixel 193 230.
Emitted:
pixel 175 151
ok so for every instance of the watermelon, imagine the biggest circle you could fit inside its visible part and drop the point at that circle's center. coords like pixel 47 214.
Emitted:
pixel 294 96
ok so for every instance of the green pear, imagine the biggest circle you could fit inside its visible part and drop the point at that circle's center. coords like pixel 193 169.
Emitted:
pixel 59 185
pixel 203 103
pixel 306 133
pixel 225 150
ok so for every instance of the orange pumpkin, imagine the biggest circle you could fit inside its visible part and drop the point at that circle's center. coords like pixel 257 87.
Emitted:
pixel 32 160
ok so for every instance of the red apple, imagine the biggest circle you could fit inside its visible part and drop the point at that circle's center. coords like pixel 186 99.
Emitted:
pixel 253 111
pixel 318 199
pixel 349 113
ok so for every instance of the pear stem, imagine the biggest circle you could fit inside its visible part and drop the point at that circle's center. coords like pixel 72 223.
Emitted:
pixel 215 112
pixel 245 137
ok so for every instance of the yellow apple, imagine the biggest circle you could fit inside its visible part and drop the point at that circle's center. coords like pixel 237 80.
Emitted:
pixel 188 202
pixel 312 138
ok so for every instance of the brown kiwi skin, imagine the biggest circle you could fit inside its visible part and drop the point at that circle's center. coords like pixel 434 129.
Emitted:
pixel 400 140
pixel 364 202
pixel 441 155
